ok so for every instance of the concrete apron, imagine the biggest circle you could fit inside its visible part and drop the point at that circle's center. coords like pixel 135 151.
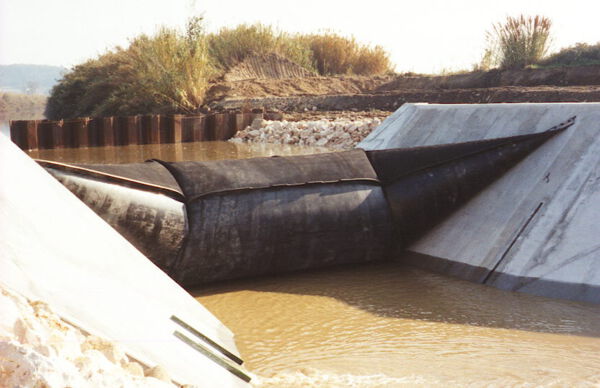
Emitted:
pixel 55 249
pixel 535 229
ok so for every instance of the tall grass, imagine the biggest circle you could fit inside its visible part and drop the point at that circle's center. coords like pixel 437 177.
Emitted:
pixel 174 69
pixel 518 42
pixel 171 71
pixel 327 53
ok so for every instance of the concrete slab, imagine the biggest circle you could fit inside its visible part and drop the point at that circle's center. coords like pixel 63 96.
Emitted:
pixel 55 249
pixel 536 229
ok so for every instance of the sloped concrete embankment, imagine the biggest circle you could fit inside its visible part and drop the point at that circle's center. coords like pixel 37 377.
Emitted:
pixel 535 229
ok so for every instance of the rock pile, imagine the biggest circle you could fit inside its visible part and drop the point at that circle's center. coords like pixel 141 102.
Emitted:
pixel 38 349
pixel 339 134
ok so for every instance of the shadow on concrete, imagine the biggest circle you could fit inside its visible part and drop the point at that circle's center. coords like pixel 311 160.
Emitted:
pixel 580 292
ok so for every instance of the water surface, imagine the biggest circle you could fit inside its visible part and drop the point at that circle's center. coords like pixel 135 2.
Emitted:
pixel 388 325
pixel 209 150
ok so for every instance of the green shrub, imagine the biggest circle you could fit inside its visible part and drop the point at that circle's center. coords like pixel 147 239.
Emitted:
pixel 518 42
pixel 581 54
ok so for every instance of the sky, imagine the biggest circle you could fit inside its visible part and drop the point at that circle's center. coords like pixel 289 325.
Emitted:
pixel 424 36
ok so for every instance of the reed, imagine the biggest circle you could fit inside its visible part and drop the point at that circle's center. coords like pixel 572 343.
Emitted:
pixel 518 42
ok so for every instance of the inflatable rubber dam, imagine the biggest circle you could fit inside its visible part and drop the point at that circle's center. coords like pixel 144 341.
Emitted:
pixel 202 222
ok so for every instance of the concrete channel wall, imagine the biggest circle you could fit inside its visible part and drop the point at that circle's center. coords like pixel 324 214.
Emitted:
pixel 141 129
pixel 56 250
pixel 537 229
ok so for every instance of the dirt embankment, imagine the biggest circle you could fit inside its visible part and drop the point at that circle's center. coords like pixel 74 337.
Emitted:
pixel 295 87
pixel 387 93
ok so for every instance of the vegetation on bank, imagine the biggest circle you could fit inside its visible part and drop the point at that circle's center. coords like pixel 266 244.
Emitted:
pixel 524 41
pixel 230 46
pixel 164 73
pixel 171 71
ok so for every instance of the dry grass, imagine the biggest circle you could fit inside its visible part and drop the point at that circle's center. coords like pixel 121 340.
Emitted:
pixel 231 45
pixel 334 54
pixel 174 69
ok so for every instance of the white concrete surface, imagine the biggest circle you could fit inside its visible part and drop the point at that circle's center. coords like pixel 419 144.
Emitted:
pixel 55 249
pixel 554 251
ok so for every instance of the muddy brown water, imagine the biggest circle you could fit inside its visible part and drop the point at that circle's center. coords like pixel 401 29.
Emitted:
pixel 386 324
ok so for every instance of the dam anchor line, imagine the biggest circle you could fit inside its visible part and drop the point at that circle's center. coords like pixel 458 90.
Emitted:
pixel 208 221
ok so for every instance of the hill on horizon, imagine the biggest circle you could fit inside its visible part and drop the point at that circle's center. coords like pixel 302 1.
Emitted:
pixel 29 79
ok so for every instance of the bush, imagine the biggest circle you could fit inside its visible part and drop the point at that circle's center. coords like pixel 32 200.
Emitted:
pixel 166 73
pixel 231 45
pixel 519 42
pixel 334 54
pixel 581 54
pixel 174 69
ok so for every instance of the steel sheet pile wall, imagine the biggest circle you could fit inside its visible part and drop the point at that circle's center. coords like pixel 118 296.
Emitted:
pixel 116 131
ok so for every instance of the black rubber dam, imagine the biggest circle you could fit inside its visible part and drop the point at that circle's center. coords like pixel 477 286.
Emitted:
pixel 202 222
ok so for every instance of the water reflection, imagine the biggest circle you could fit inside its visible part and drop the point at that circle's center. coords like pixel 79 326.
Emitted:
pixel 170 152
